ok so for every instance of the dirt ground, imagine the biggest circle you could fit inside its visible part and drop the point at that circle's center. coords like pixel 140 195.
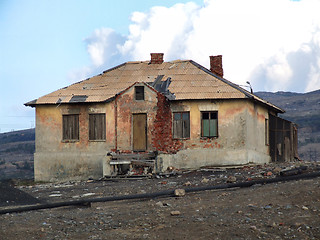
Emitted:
pixel 285 210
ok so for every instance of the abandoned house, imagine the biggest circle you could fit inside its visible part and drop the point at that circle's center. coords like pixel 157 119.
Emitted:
pixel 146 116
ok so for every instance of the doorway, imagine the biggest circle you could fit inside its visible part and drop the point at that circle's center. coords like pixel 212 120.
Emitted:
pixel 139 132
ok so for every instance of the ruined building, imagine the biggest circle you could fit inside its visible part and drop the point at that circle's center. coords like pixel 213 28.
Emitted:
pixel 146 116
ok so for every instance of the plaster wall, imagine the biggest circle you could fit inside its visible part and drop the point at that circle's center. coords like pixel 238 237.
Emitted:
pixel 241 136
pixel 57 159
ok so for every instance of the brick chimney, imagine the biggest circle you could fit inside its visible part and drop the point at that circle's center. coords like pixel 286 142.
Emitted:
pixel 216 65
pixel 156 58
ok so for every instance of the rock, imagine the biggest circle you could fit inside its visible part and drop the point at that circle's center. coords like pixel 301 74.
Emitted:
pixel 205 180
pixel 231 179
pixel 304 208
pixel 269 173
pixel 87 194
pixel 277 170
pixel 253 227
pixel 187 183
pixel 159 204
pixel 55 195
pixel 175 213
pixel 179 192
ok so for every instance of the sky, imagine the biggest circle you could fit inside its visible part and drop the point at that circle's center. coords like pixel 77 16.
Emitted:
pixel 47 45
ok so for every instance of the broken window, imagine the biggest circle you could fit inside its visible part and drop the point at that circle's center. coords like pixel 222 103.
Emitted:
pixel 139 92
pixel 97 126
pixel 209 124
pixel 70 127
pixel 181 125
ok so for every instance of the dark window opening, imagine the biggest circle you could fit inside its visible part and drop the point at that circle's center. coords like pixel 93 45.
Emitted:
pixel 139 92
pixel 209 124
pixel 267 131
pixel 70 127
pixel 181 125
pixel 97 126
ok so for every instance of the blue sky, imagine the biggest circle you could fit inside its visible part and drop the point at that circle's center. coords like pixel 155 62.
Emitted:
pixel 46 45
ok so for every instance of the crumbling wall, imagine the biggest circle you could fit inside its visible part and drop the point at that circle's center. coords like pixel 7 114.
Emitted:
pixel 161 131
pixel 241 135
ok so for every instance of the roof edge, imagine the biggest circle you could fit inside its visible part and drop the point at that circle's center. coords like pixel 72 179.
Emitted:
pixel 245 92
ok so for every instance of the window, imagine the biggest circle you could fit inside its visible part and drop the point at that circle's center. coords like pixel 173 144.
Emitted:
pixel 97 126
pixel 266 127
pixel 181 125
pixel 70 127
pixel 209 124
pixel 139 92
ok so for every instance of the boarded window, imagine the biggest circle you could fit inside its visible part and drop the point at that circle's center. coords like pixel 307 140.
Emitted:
pixel 139 92
pixel 97 126
pixel 181 125
pixel 70 127
pixel 209 124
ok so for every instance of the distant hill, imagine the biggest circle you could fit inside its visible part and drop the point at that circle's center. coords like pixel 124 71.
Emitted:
pixel 16 154
pixel 304 110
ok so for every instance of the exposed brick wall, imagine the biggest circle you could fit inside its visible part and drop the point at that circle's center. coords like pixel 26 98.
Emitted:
pixel 216 65
pixel 162 129
pixel 156 58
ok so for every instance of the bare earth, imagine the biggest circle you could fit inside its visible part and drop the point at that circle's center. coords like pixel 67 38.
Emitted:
pixel 287 210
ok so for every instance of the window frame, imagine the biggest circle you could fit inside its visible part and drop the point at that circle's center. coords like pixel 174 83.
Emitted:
pixel 139 93
pixel 70 133
pixel 216 123
pixel 94 134
pixel 184 134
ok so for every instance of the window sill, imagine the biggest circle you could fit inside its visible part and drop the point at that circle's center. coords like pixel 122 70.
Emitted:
pixel 70 141
pixel 102 140
pixel 180 138
pixel 209 137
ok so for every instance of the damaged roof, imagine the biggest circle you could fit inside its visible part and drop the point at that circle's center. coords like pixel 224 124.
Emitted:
pixel 186 79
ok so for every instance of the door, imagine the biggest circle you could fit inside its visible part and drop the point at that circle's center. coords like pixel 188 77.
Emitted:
pixel 139 132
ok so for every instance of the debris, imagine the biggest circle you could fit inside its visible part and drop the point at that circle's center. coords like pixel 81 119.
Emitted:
pixel 294 171
pixel 170 169
pixel 304 208
pixel 179 192
pixel 277 170
pixel 269 173
pixel 231 179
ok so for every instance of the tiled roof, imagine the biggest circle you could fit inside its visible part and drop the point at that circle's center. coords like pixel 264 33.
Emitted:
pixel 189 80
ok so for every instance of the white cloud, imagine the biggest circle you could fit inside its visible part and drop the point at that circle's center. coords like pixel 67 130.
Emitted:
pixel 102 46
pixel 274 44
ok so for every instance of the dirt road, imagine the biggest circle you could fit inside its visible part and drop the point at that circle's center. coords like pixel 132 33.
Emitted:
pixel 288 210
